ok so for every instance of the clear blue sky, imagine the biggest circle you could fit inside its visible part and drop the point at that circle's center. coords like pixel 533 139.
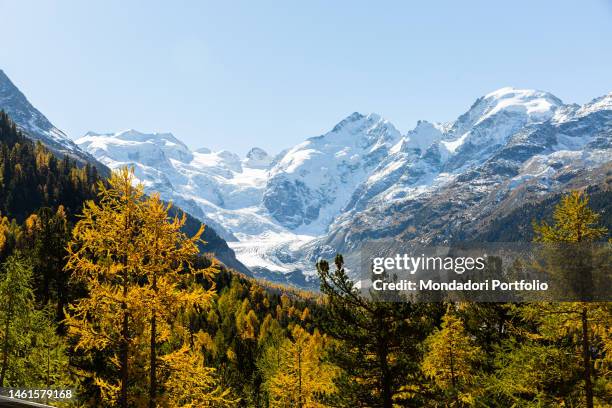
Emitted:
pixel 236 74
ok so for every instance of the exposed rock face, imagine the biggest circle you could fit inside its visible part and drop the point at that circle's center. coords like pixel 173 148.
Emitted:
pixel 258 158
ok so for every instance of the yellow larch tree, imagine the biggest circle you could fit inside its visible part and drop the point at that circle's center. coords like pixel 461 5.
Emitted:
pixel 450 357
pixel 107 254
pixel 136 265
pixel 4 227
pixel 575 226
pixel 167 292
pixel 298 376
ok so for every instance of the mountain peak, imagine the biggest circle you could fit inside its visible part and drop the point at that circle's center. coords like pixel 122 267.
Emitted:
pixel 5 80
pixel 91 133
pixel 519 95
pixel 146 145
pixel 357 123
pixel 257 153
pixel 163 138
pixel 601 103
pixel 352 118
pixel 524 105
pixel 530 102
pixel 204 150
pixel 258 158
pixel 423 135
pixel 17 106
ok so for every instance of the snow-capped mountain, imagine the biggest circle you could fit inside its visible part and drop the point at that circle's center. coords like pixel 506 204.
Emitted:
pixel 35 124
pixel 313 181
pixel 364 180
pixel 265 207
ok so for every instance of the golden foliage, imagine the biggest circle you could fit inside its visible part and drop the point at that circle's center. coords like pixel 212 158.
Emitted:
pixel 136 264
pixel 451 354
pixel 189 383
pixel 574 222
pixel 294 373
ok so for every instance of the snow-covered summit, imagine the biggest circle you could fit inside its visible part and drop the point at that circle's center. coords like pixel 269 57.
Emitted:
pixel 492 120
pixel 507 138
pixel 537 105
pixel 603 103
pixel 132 145
pixel 313 181
pixel 423 135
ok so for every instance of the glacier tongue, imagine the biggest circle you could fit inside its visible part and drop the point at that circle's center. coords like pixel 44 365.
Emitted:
pixel 220 188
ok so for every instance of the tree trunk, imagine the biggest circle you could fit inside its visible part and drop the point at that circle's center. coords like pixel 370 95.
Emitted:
pixel 452 369
pixel 385 375
pixel 152 375
pixel 300 403
pixel 61 301
pixel 586 353
pixel 153 356
pixel 123 398
pixel 124 349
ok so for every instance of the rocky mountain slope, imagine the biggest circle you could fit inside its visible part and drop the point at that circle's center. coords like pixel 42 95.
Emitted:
pixel 509 141
pixel 32 122
pixel 364 180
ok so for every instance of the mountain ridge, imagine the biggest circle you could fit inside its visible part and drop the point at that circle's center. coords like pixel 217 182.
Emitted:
pixel 33 123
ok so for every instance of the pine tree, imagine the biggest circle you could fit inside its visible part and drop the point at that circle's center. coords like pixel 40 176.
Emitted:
pixel 17 300
pixel 527 371
pixel 46 234
pixel 32 353
pixel 377 342
pixel 31 177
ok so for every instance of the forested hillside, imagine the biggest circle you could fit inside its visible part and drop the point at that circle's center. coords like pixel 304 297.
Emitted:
pixel 104 292
pixel 31 177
